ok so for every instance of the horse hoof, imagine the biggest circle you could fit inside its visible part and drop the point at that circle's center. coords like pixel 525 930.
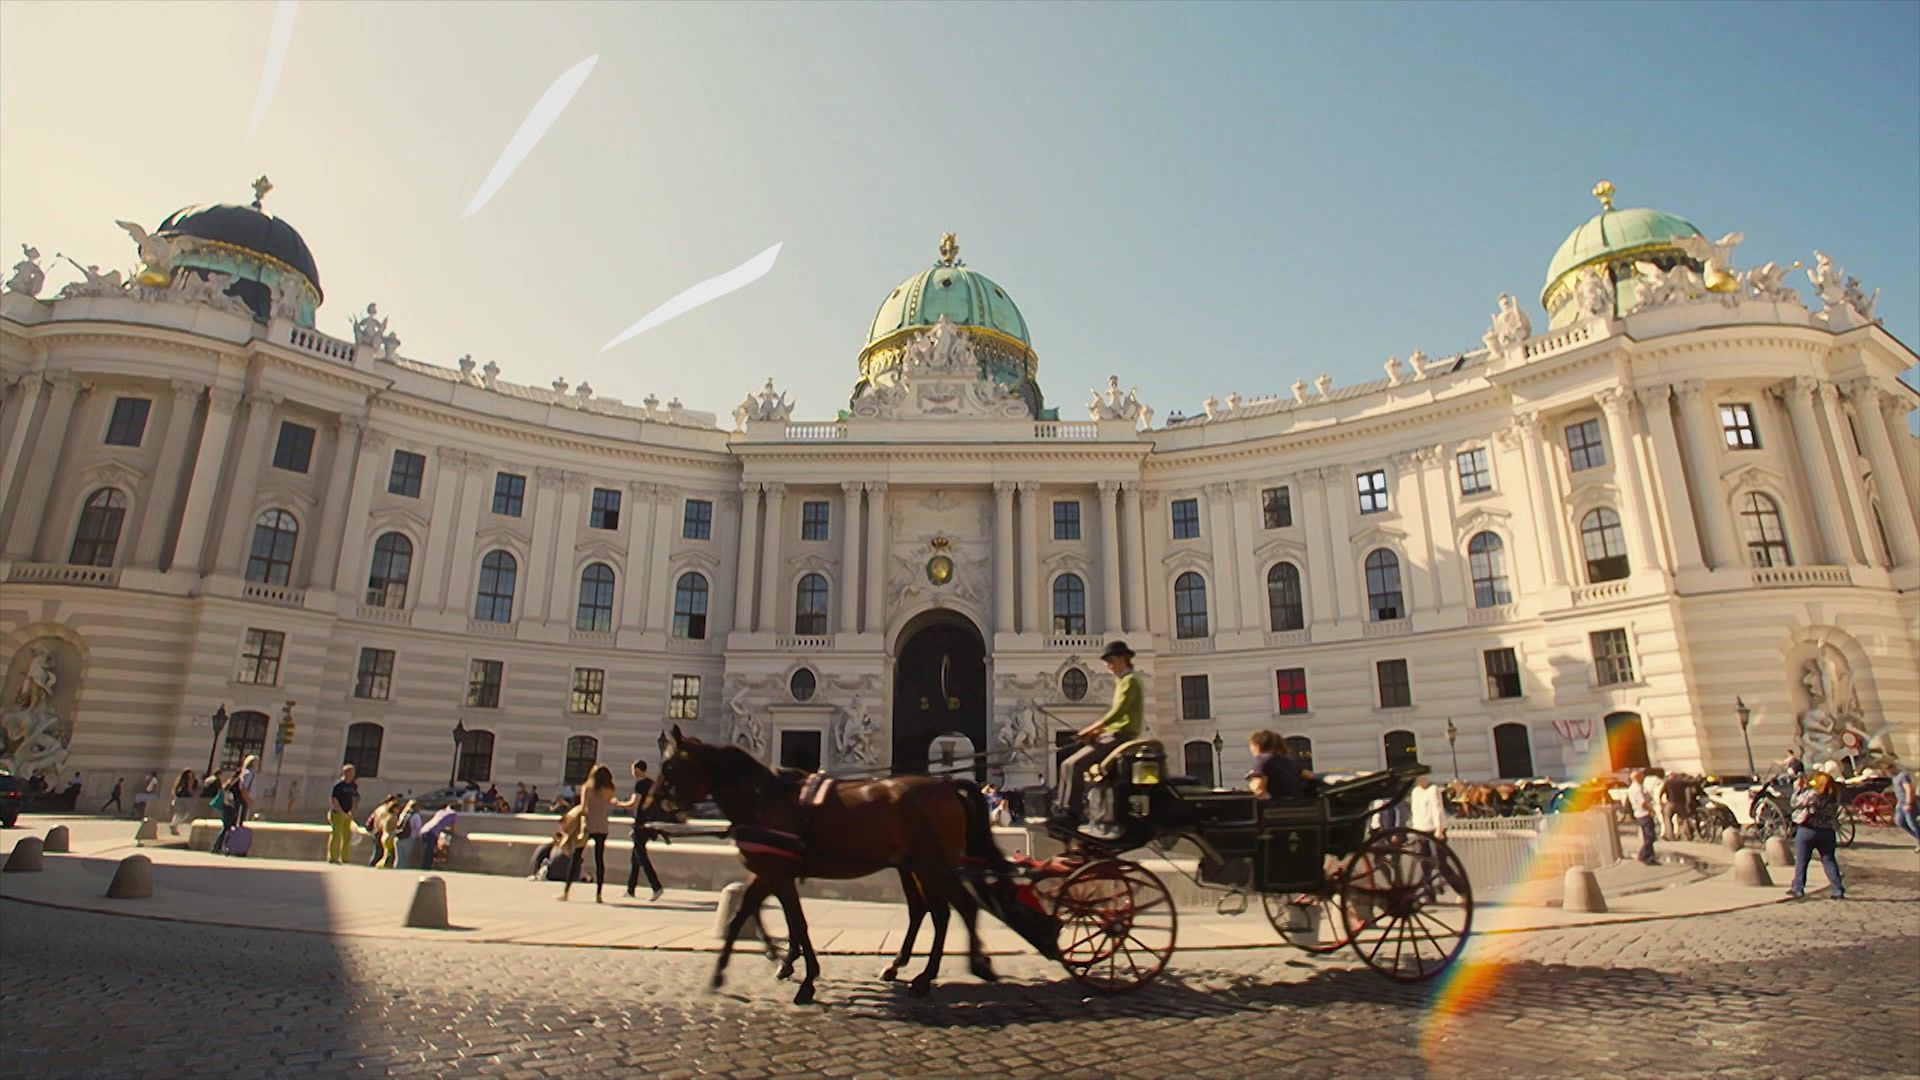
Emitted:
pixel 719 981
pixel 805 996
pixel 785 972
pixel 920 988
pixel 983 970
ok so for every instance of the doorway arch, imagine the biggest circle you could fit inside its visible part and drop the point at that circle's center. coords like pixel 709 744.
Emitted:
pixel 939 689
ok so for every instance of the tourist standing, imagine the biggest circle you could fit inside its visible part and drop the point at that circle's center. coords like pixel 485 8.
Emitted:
pixel 113 800
pixel 382 824
pixel 143 801
pixel 243 783
pixel 1906 802
pixel 407 835
pixel 1816 812
pixel 1641 807
pixel 1427 808
pixel 340 816
pixel 226 803
pixel 1676 806
pixel 596 803
pixel 642 787
pixel 185 790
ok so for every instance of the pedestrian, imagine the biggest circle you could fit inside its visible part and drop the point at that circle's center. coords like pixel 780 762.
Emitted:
pixel 407 835
pixel 226 803
pixel 1906 802
pixel 1676 806
pixel 185 790
pixel 114 799
pixel 1641 807
pixel 382 824
pixel 249 769
pixel 143 801
pixel 642 787
pixel 340 816
pixel 1427 808
pixel 596 802
pixel 1816 812
pixel 519 798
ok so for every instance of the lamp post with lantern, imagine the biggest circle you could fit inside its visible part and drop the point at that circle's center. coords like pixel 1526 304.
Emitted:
pixel 662 743
pixel 459 742
pixel 1745 714
pixel 219 725
pixel 1219 745
pixel 1453 733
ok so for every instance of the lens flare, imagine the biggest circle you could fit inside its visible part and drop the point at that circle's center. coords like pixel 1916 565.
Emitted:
pixel 532 129
pixel 275 59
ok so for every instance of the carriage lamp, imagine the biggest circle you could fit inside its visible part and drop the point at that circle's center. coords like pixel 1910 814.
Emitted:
pixel 459 740
pixel 1745 714
pixel 1219 744
pixel 1452 734
pixel 219 725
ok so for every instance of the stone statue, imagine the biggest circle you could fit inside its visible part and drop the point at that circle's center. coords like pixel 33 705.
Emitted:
pixel 1211 406
pixel 746 731
pixel 1715 258
pixel 1658 288
pixel 27 276
pixel 1233 402
pixel 490 375
pixel 1113 405
pixel 584 391
pixel 1593 294
pixel 1417 360
pixel 156 255
pixel 559 386
pixel 1323 385
pixel 37 686
pixel 1769 282
pixel 767 405
pixel 34 737
pixel 1021 734
pixel 466 368
pixel 855 733
pixel 96 283
pixel 1833 726
pixel 1838 291
pixel 369 328
pixel 1299 391
pixel 1394 370
pixel 286 297
pixel 1510 330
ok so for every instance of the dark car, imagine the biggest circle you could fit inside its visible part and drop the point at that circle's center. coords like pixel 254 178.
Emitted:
pixel 13 799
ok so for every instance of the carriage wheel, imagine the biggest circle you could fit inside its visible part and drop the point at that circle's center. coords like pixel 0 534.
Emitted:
pixel 1874 807
pixel 1771 819
pixel 1323 908
pixel 1846 826
pixel 1117 926
pixel 1408 900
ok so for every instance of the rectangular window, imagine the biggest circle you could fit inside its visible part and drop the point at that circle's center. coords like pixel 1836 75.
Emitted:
pixel 1195 702
pixel 1736 423
pixel 129 424
pixel 683 697
pixel 1584 448
pixel 1276 507
pixel 698 522
pixel 1291 686
pixel 374 681
pixel 1373 490
pixel 1186 519
pixel 408 470
pixel 1503 673
pixel 1066 519
pixel 589 684
pixel 1475 476
pixel 606 509
pixel 260 657
pixel 294 452
pixel 509 494
pixel 483 684
pixel 1395 691
pixel 814 516
pixel 1612 663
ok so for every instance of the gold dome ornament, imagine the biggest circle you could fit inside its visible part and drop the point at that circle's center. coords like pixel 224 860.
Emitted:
pixel 1721 281
pixel 261 186
pixel 1604 192
pixel 949 250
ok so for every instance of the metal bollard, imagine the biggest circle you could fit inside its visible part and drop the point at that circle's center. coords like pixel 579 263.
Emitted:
pixel 132 879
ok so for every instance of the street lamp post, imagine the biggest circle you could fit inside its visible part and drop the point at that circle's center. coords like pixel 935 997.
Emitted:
pixel 1219 744
pixel 1745 714
pixel 219 725
pixel 459 740
pixel 1453 733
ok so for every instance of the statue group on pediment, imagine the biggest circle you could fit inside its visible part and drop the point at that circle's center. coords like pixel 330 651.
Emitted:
pixel 1113 405
pixel 28 278
pixel 767 405
pixel 939 376
pixel 370 331
pixel 1840 292
pixel 1510 330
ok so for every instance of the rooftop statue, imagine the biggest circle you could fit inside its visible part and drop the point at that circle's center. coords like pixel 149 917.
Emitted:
pixel 1716 256
pixel 370 330
pixel 156 255
pixel 1417 360
pixel 1769 282
pixel 27 276
pixel 1323 385
pixel 1659 288
pixel 1511 328
pixel 1113 405
pixel 767 405
pixel 1394 371
pixel 1299 391
pixel 96 283
pixel 1593 294
pixel 1839 291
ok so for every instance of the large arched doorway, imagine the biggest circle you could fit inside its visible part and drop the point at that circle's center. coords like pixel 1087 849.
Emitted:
pixel 939 688
pixel 1626 741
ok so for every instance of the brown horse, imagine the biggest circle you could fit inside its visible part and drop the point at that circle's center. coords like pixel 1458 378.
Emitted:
pixel 918 825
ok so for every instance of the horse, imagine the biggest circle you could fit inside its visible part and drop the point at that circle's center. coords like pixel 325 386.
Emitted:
pixel 921 826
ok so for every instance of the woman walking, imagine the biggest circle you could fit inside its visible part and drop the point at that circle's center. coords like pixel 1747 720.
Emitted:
pixel 1816 811
pixel 226 803
pixel 186 789
pixel 383 825
pixel 596 803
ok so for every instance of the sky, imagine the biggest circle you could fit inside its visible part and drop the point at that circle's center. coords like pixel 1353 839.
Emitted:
pixel 1197 198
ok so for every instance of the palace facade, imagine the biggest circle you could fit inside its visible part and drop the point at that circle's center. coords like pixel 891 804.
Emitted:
pixel 1695 488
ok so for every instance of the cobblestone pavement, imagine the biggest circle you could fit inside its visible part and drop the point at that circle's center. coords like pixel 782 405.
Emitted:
pixel 1803 989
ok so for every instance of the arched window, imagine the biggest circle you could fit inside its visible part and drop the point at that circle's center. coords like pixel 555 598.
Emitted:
pixel 810 606
pixel 1069 605
pixel 1487 559
pixel 1512 751
pixel 1284 611
pixel 1199 762
pixel 392 566
pixel 271 561
pixel 363 749
pixel 1383 586
pixel 583 753
pixel 1190 606
pixel 1302 748
pixel 596 598
pixel 494 601
pixel 246 734
pixel 690 607
pixel 1400 749
pixel 1073 684
pixel 1605 545
pixel 98 537
pixel 1766 537
pixel 475 759
pixel 1626 741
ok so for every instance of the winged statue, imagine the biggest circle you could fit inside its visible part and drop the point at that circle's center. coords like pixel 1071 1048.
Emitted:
pixel 1716 256
pixel 156 254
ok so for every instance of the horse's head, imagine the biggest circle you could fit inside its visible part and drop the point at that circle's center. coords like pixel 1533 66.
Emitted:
pixel 683 778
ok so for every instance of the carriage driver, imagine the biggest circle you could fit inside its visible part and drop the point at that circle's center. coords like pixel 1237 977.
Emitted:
pixel 1124 720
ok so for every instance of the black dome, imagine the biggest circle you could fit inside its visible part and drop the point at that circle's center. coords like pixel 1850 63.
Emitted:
pixel 245 227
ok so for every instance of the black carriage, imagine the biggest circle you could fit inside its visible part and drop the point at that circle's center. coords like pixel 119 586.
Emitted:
pixel 1399 898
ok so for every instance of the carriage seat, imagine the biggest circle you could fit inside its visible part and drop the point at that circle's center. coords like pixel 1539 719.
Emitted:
pixel 1149 765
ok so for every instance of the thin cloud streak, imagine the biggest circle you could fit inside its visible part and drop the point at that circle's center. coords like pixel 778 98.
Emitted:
pixel 707 291
pixel 278 40
pixel 532 129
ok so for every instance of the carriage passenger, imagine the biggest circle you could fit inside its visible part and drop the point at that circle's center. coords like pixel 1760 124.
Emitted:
pixel 1276 773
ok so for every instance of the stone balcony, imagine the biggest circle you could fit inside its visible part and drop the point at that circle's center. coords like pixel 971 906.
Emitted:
pixel 95 577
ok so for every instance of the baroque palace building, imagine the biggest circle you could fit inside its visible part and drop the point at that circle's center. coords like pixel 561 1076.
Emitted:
pixel 1694 488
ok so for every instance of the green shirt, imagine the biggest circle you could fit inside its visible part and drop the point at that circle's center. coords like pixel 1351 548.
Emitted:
pixel 1127 716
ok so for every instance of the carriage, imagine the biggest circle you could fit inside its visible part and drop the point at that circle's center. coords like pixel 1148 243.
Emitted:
pixel 1399 898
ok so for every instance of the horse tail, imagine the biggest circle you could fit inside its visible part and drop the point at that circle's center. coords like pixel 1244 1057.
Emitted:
pixel 980 842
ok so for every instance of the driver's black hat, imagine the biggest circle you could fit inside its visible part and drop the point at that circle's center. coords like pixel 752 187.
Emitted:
pixel 1117 648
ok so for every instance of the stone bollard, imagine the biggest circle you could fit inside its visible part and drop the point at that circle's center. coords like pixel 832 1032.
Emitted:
pixel 1777 852
pixel 429 908
pixel 25 857
pixel 1730 839
pixel 58 840
pixel 148 830
pixel 1581 891
pixel 730 900
pixel 132 880
pixel 1750 869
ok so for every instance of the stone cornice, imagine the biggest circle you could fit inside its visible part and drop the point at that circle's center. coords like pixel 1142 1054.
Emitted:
pixel 567 442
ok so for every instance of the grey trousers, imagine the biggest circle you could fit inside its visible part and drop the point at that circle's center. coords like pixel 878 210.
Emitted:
pixel 1073 780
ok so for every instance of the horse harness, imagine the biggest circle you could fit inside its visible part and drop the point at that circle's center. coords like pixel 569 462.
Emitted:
pixel 814 790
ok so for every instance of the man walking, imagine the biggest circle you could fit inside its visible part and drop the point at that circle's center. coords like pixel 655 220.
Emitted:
pixel 113 800
pixel 1906 803
pixel 1125 719
pixel 1641 806
pixel 642 787
pixel 340 816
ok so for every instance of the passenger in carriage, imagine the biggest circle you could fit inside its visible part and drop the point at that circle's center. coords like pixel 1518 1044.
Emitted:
pixel 1276 773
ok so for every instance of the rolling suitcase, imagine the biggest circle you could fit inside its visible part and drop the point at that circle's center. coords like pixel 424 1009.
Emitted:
pixel 239 840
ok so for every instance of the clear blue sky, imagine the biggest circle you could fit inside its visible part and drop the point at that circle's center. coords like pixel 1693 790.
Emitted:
pixel 1198 198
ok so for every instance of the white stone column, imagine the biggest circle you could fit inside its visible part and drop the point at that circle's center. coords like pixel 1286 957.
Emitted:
pixel 1110 557
pixel 321 556
pixel 434 566
pixel 256 441
pixel 1249 581
pixel 1896 506
pixel 189 548
pixel 348 572
pixel 1224 599
pixel 876 556
pixel 1635 509
pixel 773 542
pixel 744 564
pixel 1548 515
pixel 1699 428
pixel 1132 567
pixel 1670 476
pixel 543 512
pixel 562 595
pixel 1863 550
pixel 38 466
pixel 1030 620
pixel 476 482
pixel 1003 556
pixel 168 474
pixel 23 403
pixel 642 508
pixel 846 591
pixel 1317 575
pixel 1798 393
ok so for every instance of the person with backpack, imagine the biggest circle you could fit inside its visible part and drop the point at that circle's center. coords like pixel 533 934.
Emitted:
pixel 381 825
pixel 406 836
